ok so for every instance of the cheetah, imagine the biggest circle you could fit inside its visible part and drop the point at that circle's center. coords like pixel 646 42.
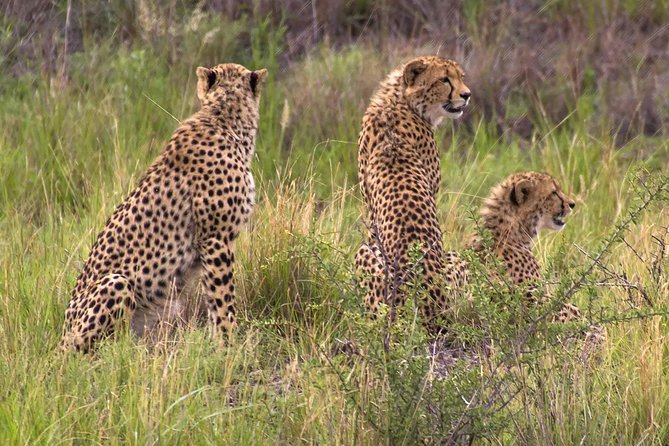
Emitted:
pixel 179 224
pixel 514 213
pixel 399 173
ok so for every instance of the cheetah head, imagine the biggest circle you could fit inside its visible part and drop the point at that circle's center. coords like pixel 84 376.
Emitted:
pixel 538 200
pixel 216 83
pixel 435 89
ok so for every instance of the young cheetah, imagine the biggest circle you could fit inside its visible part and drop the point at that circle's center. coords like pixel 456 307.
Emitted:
pixel 514 213
pixel 180 221
pixel 399 171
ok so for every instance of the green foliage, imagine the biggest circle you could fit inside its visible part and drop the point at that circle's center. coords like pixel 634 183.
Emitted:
pixel 306 364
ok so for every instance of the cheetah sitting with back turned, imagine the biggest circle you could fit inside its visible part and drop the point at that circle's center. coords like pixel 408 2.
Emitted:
pixel 399 172
pixel 180 221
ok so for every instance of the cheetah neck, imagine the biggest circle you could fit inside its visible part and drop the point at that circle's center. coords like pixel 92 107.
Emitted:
pixel 389 91
pixel 230 108
pixel 239 122
pixel 389 100
pixel 505 228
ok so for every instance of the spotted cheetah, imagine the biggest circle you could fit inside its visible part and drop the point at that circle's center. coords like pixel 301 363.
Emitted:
pixel 515 211
pixel 179 223
pixel 399 173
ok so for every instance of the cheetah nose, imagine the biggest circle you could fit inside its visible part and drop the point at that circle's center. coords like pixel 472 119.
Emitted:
pixel 572 205
pixel 465 96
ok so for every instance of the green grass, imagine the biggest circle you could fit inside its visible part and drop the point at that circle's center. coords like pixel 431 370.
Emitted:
pixel 71 153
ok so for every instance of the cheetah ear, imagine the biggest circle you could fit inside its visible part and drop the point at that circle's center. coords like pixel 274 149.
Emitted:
pixel 520 191
pixel 257 79
pixel 206 78
pixel 412 70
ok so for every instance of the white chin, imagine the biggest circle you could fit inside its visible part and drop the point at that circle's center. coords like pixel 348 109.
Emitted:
pixel 555 226
pixel 550 224
pixel 437 114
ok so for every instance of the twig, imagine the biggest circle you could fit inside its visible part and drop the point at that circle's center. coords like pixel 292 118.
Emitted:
pixel 633 250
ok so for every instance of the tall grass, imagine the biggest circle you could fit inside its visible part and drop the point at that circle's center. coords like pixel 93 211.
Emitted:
pixel 305 365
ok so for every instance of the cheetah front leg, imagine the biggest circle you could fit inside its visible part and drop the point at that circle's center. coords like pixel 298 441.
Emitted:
pixel 97 313
pixel 217 262
pixel 594 336
pixel 371 268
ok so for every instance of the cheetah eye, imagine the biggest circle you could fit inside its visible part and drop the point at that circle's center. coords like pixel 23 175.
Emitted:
pixel 446 80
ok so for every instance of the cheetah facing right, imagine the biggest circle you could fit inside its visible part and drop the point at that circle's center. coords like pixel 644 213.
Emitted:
pixel 514 213
pixel 399 170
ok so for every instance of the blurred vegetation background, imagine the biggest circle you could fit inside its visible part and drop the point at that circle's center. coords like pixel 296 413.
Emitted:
pixel 599 66
pixel 517 54
pixel 90 91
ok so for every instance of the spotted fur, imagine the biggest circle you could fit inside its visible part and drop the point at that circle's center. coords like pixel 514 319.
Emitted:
pixel 399 172
pixel 179 224
pixel 515 212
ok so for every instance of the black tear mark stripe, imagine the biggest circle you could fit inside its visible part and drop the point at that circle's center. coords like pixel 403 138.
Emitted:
pixel 450 93
pixel 558 195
